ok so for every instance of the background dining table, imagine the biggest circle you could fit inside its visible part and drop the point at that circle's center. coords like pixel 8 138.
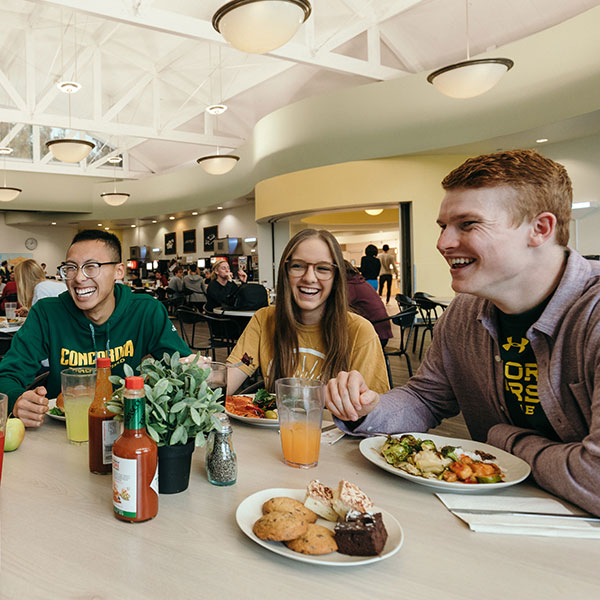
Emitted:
pixel 59 538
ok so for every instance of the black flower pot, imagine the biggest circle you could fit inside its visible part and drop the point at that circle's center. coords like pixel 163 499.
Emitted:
pixel 174 464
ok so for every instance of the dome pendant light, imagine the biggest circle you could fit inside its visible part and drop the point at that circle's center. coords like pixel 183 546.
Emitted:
pixel 70 150
pixel 7 194
pixel 469 78
pixel 259 26
pixel 115 198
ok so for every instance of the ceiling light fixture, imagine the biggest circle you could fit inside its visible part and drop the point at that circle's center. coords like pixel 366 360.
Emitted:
pixel 114 198
pixel 541 141
pixel 259 26
pixel 218 164
pixel 219 208
pixel 171 218
pixel 374 211
pixel 154 221
pixel 7 194
pixel 70 150
pixel 216 109
pixel 469 78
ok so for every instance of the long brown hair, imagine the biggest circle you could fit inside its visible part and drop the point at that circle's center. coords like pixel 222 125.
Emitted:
pixel 334 323
pixel 27 275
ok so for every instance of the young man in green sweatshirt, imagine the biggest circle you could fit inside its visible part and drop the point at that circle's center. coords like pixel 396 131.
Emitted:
pixel 94 317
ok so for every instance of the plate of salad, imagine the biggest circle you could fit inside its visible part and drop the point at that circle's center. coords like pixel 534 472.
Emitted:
pixel 54 412
pixel 446 464
pixel 256 409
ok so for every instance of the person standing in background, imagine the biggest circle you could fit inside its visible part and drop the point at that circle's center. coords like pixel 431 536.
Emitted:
pixel 388 266
pixel 370 265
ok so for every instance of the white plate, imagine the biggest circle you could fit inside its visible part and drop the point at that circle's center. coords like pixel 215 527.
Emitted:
pixel 514 468
pixel 258 421
pixel 250 510
pixel 52 404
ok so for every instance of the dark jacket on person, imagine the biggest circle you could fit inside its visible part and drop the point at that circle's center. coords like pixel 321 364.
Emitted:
pixel 364 300
pixel 370 267
pixel 217 294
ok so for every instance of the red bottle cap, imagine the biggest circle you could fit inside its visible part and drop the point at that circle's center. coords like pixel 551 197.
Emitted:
pixel 103 362
pixel 134 383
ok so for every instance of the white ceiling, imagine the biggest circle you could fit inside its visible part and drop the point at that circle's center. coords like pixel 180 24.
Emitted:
pixel 149 68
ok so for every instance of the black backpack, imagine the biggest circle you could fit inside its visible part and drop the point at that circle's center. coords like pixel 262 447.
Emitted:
pixel 249 296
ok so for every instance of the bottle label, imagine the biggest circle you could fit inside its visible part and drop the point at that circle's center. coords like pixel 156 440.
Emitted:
pixel 154 484
pixel 124 486
pixel 111 430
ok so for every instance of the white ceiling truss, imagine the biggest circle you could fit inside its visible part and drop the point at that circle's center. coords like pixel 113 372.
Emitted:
pixel 149 68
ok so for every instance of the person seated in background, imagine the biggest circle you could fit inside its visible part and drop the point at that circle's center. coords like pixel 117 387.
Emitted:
pixel 9 292
pixel 160 281
pixel 518 349
pixel 32 285
pixel 176 283
pixel 43 267
pixel 370 265
pixel 221 286
pixel 93 318
pixel 309 332
pixel 195 286
pixel 4 272
pixel 363 300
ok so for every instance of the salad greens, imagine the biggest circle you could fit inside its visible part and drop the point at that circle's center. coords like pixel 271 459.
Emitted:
pixel 265 400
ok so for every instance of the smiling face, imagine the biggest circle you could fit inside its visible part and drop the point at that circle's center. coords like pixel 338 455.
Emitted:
pixel 94 296
pixel 488 255
pixel 309 292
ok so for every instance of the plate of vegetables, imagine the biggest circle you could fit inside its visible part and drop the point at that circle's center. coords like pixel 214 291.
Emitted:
pixel 54 412
pixel 256 409
pixel 446 464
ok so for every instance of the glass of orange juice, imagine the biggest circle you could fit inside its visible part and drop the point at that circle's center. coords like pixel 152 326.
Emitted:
pixel 78 388
pixel 300 410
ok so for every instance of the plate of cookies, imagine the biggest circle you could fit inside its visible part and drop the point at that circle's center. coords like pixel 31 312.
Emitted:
pixel 319 525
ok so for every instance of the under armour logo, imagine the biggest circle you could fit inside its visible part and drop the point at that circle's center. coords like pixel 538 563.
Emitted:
pixel 520 345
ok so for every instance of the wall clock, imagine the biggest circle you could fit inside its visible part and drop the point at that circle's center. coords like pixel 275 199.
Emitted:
pixel 31 243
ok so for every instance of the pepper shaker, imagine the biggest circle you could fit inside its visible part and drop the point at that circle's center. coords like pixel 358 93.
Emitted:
pixel 221 461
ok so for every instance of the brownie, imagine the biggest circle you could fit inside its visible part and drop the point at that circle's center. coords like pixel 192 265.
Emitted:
pixel 361 534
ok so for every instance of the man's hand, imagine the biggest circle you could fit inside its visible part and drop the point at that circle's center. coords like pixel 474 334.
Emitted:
pixel 31 406
pixel 202 360
pixel 348 398
pixel 242 276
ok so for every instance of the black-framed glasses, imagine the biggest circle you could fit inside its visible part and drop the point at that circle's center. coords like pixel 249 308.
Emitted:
pixel 90 269
pixel 323 270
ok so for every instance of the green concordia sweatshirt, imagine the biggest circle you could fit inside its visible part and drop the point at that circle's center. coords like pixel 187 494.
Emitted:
pixel 57 330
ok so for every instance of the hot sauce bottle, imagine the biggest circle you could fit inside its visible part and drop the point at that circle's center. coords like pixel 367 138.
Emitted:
pixel 103 429
pixel 135 460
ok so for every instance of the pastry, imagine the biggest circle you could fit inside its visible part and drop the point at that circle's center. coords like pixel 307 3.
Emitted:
pixel 280 526
pixel 348 497
pixel 316 540
pixel 361 534
pixel 319 499
pixel 284 504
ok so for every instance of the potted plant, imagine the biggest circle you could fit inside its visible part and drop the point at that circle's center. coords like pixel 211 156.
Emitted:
pixel 179 413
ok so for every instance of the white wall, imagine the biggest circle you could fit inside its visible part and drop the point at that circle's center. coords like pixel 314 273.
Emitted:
pixel 53 242
pixel 232 222
pixel 581 158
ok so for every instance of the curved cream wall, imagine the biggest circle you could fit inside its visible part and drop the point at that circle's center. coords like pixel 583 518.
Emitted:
pixel 414 179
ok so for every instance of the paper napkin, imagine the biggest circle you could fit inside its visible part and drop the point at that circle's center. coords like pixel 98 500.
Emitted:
pixel 508 522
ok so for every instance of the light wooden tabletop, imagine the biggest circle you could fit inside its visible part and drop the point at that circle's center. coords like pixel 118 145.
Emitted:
pixel 59 538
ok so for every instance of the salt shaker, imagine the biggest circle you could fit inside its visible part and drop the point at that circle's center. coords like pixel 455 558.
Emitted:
pixel 221 461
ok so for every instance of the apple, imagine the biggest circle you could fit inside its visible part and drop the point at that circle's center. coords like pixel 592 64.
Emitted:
pixel 15 432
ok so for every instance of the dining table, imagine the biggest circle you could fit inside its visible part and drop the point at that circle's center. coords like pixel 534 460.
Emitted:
pixel 60 540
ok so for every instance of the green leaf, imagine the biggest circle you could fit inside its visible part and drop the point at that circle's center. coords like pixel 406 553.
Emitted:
pixel 195 416
pixel 115 379
pixel 200 439
pixel 175 359
pixel 177 435
pixel 128 370
pixel 178 407
pixel 152 433
pixel 161 387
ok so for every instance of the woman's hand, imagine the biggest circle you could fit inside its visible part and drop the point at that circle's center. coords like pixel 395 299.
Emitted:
pixel 31 406
pixel 348 398
pixel 21 312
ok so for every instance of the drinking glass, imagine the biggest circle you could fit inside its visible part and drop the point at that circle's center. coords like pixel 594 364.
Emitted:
pixel 11 309
pixel 300 409
pixel 78 388
pixel 3 410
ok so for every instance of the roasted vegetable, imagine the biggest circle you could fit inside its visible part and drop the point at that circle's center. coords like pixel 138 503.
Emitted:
pixel 264 400
pixel 394 451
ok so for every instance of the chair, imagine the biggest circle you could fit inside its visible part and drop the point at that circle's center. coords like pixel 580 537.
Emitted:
pixel 185 317
pixel 173 303
pixel 224 332
pixel 428 313
pixel 405 320
pixel 404 301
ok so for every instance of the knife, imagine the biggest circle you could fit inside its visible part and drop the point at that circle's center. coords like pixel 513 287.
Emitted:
pixel 482 511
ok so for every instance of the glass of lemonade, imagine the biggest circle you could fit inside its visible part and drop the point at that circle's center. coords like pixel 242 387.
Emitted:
pixel 300 409
pixel 78 388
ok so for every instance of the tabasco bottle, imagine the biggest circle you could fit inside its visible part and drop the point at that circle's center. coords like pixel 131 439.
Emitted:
pixel 135 460
pixel 103 429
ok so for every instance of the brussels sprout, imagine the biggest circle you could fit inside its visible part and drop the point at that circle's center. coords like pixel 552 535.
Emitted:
pixel 450 452
pixel 394 451
pixel 428 445
pixel 410 440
